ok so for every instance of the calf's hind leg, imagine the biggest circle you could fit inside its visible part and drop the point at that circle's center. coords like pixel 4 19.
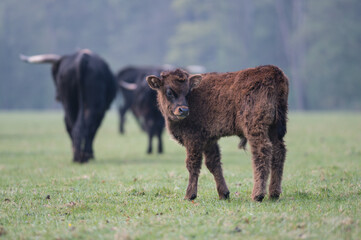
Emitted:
pixel 261 148
pixel 278 159
pixel 213 162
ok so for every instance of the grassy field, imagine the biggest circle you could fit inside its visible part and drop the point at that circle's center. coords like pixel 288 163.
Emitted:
pixel 126 194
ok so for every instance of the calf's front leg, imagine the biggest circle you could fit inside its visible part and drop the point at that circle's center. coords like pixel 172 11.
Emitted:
pixel 194 163
pixel 213 163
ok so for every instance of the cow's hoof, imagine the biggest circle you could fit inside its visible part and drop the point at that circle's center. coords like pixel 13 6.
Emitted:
pixel 77 158
pixel 85 157
pixel 86 160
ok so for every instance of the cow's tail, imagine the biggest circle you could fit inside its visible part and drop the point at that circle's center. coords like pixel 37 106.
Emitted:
pixel 80 66
pixel 281 103
pixel 81 62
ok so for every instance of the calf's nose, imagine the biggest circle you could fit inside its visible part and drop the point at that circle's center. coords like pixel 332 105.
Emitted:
pixel 183 111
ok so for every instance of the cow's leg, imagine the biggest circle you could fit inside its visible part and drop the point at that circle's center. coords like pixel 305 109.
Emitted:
pixel 261 148
pixel 194 163
pixel 150 138
pixel 68 126
pixel 160 143
pixel 93 120
pixel 213 162
pixel 78 137
pixel 278 159
pixel 158 129
pixel 71 114
pixel 122 110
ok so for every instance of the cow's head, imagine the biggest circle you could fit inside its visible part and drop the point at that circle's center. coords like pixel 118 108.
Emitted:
pixel 173 89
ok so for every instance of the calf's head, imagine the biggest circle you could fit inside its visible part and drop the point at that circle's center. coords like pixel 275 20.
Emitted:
pixel 173 89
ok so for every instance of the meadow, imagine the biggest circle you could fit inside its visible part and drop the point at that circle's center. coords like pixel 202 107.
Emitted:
pixel 127 194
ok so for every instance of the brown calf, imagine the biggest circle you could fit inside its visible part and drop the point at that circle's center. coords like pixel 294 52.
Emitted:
pixel 251 104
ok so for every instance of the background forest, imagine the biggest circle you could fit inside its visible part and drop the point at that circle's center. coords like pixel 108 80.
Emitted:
pixel 316 43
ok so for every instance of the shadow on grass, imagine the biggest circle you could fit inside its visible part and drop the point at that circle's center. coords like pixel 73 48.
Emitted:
pixel 322 194
pixel 146 160
pixel 300 196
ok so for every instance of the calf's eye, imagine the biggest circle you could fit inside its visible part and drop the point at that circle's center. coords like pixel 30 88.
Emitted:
pixel 169 93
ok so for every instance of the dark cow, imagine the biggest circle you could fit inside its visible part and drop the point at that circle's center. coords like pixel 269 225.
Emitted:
pixel 142 101
pixel 86 87
pixel 251 104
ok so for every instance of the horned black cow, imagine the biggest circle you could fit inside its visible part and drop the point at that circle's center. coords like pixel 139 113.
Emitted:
pixel 142 101
pixel 86 87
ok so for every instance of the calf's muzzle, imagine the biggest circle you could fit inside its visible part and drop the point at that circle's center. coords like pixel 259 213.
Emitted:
pixel 181 112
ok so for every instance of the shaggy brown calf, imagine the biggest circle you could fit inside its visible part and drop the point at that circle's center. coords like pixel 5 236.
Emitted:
pixel 251 104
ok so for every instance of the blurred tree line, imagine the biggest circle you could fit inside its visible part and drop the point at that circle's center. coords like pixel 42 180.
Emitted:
pixel 316 43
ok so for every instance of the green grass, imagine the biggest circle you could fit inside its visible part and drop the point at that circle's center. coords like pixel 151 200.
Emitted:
pixel 126 194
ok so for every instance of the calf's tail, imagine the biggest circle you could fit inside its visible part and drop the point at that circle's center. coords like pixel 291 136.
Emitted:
pixel 282 104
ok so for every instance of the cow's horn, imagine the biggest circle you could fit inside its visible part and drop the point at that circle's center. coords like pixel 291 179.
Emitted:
pixel 45 58
pixel 128 86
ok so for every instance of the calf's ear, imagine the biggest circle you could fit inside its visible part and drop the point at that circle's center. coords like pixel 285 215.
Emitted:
pixel 154 82
pixel 194 81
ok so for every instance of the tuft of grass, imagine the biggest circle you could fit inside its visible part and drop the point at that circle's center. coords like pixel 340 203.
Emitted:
pixel 127 194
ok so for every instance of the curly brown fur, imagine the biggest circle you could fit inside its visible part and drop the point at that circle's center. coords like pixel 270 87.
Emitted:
pixel 251 104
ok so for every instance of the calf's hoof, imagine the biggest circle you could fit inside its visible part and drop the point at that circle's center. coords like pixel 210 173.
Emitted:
pixel 274 196
pixel 190 198
pixel 224 196
pixel 258 198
